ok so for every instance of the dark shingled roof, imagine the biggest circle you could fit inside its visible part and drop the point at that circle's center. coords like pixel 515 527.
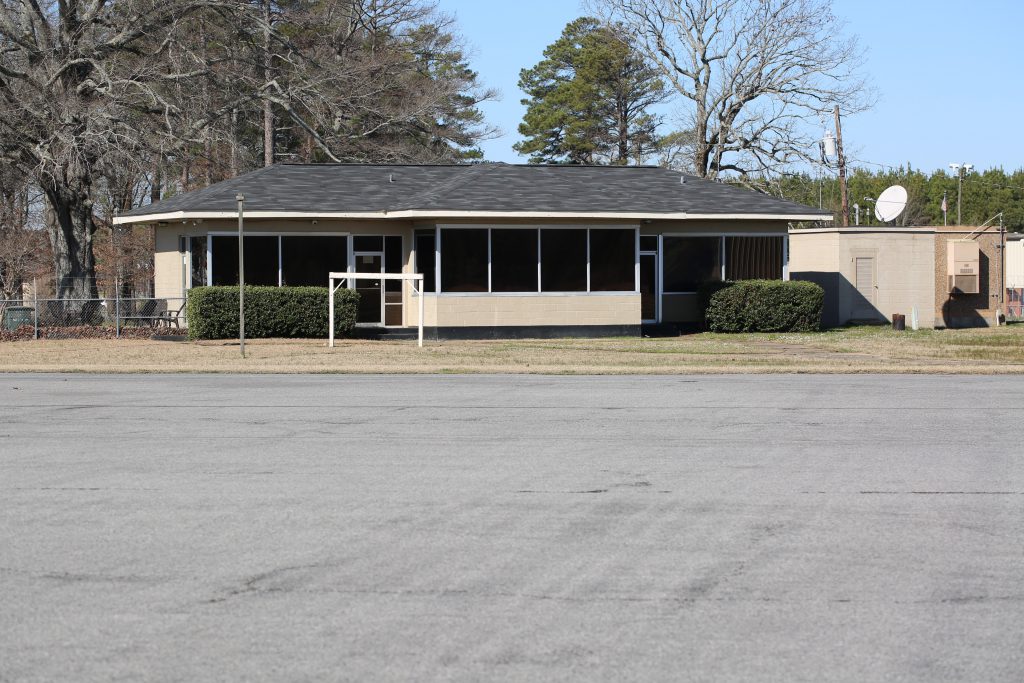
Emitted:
pixel 357 188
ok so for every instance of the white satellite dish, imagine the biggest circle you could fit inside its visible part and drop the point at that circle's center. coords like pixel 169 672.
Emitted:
pixel 890 203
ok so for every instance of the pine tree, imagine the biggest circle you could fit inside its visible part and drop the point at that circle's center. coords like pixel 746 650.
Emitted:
pixel 589 100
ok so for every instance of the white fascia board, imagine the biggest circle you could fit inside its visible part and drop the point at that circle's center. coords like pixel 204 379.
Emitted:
pixel 175 216
pixel 851 230
pixel 757 217
pixel 183 216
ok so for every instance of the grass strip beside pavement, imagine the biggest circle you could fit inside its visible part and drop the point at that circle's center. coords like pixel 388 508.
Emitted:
pixel 847 350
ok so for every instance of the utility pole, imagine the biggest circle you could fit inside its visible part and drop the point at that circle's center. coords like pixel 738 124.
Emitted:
pixel 240 198
pixel 842 170
pixel 961 170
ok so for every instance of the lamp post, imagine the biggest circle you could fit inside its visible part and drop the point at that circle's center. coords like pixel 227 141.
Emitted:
pixel 961 170
pixel 240 198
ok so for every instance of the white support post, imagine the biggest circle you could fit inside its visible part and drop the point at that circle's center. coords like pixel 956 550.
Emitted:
pixel 420 332
pixel 330 312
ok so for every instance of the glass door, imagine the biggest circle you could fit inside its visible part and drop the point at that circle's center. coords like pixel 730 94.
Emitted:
pixel 371 292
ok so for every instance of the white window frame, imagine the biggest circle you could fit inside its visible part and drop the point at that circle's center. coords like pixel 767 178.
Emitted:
pixel 656 252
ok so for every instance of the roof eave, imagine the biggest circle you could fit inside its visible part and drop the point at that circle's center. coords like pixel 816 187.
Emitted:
pixel 419 214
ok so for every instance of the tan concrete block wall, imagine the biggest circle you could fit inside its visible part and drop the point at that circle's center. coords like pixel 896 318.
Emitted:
pixel 903 265
pixel 167 264
pixel 903 271
pixel 496 311
pixel 412 311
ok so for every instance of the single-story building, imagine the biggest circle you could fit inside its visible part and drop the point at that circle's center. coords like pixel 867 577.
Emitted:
pixel 505 250
pixel 953 276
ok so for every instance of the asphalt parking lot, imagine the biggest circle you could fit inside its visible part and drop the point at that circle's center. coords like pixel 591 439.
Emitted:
pixel 778 528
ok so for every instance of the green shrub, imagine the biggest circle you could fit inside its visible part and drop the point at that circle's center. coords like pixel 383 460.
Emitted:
pixel 766 306
pixel 269 312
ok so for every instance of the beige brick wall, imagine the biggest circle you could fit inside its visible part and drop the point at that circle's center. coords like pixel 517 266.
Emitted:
pixel 167 265
pixel 967 310
pixel 495 310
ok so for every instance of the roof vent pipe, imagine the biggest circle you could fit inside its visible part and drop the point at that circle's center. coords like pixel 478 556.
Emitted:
pixel 682 179
pixel 391 178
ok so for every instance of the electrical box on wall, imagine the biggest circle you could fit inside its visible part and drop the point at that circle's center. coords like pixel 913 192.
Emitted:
pixel 963 266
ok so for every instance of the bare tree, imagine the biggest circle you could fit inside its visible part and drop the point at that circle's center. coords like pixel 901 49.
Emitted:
pixel 755 74
pixel 101 99
pixel 374 81
pixel 84 88
pixel 23 249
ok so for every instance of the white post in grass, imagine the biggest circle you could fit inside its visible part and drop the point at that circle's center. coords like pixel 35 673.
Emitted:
pixel 330 311
pixel 241 273
pixel 419 285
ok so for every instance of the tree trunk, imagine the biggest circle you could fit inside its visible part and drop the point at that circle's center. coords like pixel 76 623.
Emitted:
pixel 268 109
pixel 71 237
pixel 234 144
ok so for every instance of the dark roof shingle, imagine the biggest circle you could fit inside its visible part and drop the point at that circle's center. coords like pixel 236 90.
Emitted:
pixel 356 188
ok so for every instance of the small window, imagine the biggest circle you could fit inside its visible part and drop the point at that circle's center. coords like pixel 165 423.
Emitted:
pixel 425 263
pixel 261 260
pixel 753 258
pixel 464 260
pixel 648 243
pixel 612 260
pixel 690 262
pixel 306 261
pixel 563 260
pixel 513 260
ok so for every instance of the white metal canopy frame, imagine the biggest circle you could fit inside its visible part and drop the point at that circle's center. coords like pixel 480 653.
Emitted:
pixel 416 279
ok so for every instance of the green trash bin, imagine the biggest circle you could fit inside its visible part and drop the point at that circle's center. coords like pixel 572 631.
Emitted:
pixel 16 316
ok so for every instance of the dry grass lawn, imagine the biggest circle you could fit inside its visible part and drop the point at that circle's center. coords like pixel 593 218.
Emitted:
pixel 852 350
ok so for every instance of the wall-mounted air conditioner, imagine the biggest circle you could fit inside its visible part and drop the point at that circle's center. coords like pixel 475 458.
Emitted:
pixel 963 266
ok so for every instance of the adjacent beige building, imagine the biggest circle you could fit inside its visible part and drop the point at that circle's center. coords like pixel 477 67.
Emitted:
pixel 950 276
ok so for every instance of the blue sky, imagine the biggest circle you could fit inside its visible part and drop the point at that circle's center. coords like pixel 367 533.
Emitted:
pixel 949 75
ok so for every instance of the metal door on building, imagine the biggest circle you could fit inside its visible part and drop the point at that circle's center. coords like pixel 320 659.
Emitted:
pixel 863 307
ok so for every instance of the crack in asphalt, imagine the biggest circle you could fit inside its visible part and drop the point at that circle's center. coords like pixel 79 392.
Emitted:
pixel 943 493
pixel 77 577
pixel 698 595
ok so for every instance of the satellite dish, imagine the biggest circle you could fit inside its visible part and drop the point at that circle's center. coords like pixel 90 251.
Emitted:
pixel 890 203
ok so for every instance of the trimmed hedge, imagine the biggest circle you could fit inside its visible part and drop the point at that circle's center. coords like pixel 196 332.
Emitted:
pixel 269 312
pixel 766 306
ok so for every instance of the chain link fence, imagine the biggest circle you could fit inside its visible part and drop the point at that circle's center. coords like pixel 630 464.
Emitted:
pixel 91 318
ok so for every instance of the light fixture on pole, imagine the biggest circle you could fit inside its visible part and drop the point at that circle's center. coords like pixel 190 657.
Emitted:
pixel 961 170
pixel 867 214
pixel 240 198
